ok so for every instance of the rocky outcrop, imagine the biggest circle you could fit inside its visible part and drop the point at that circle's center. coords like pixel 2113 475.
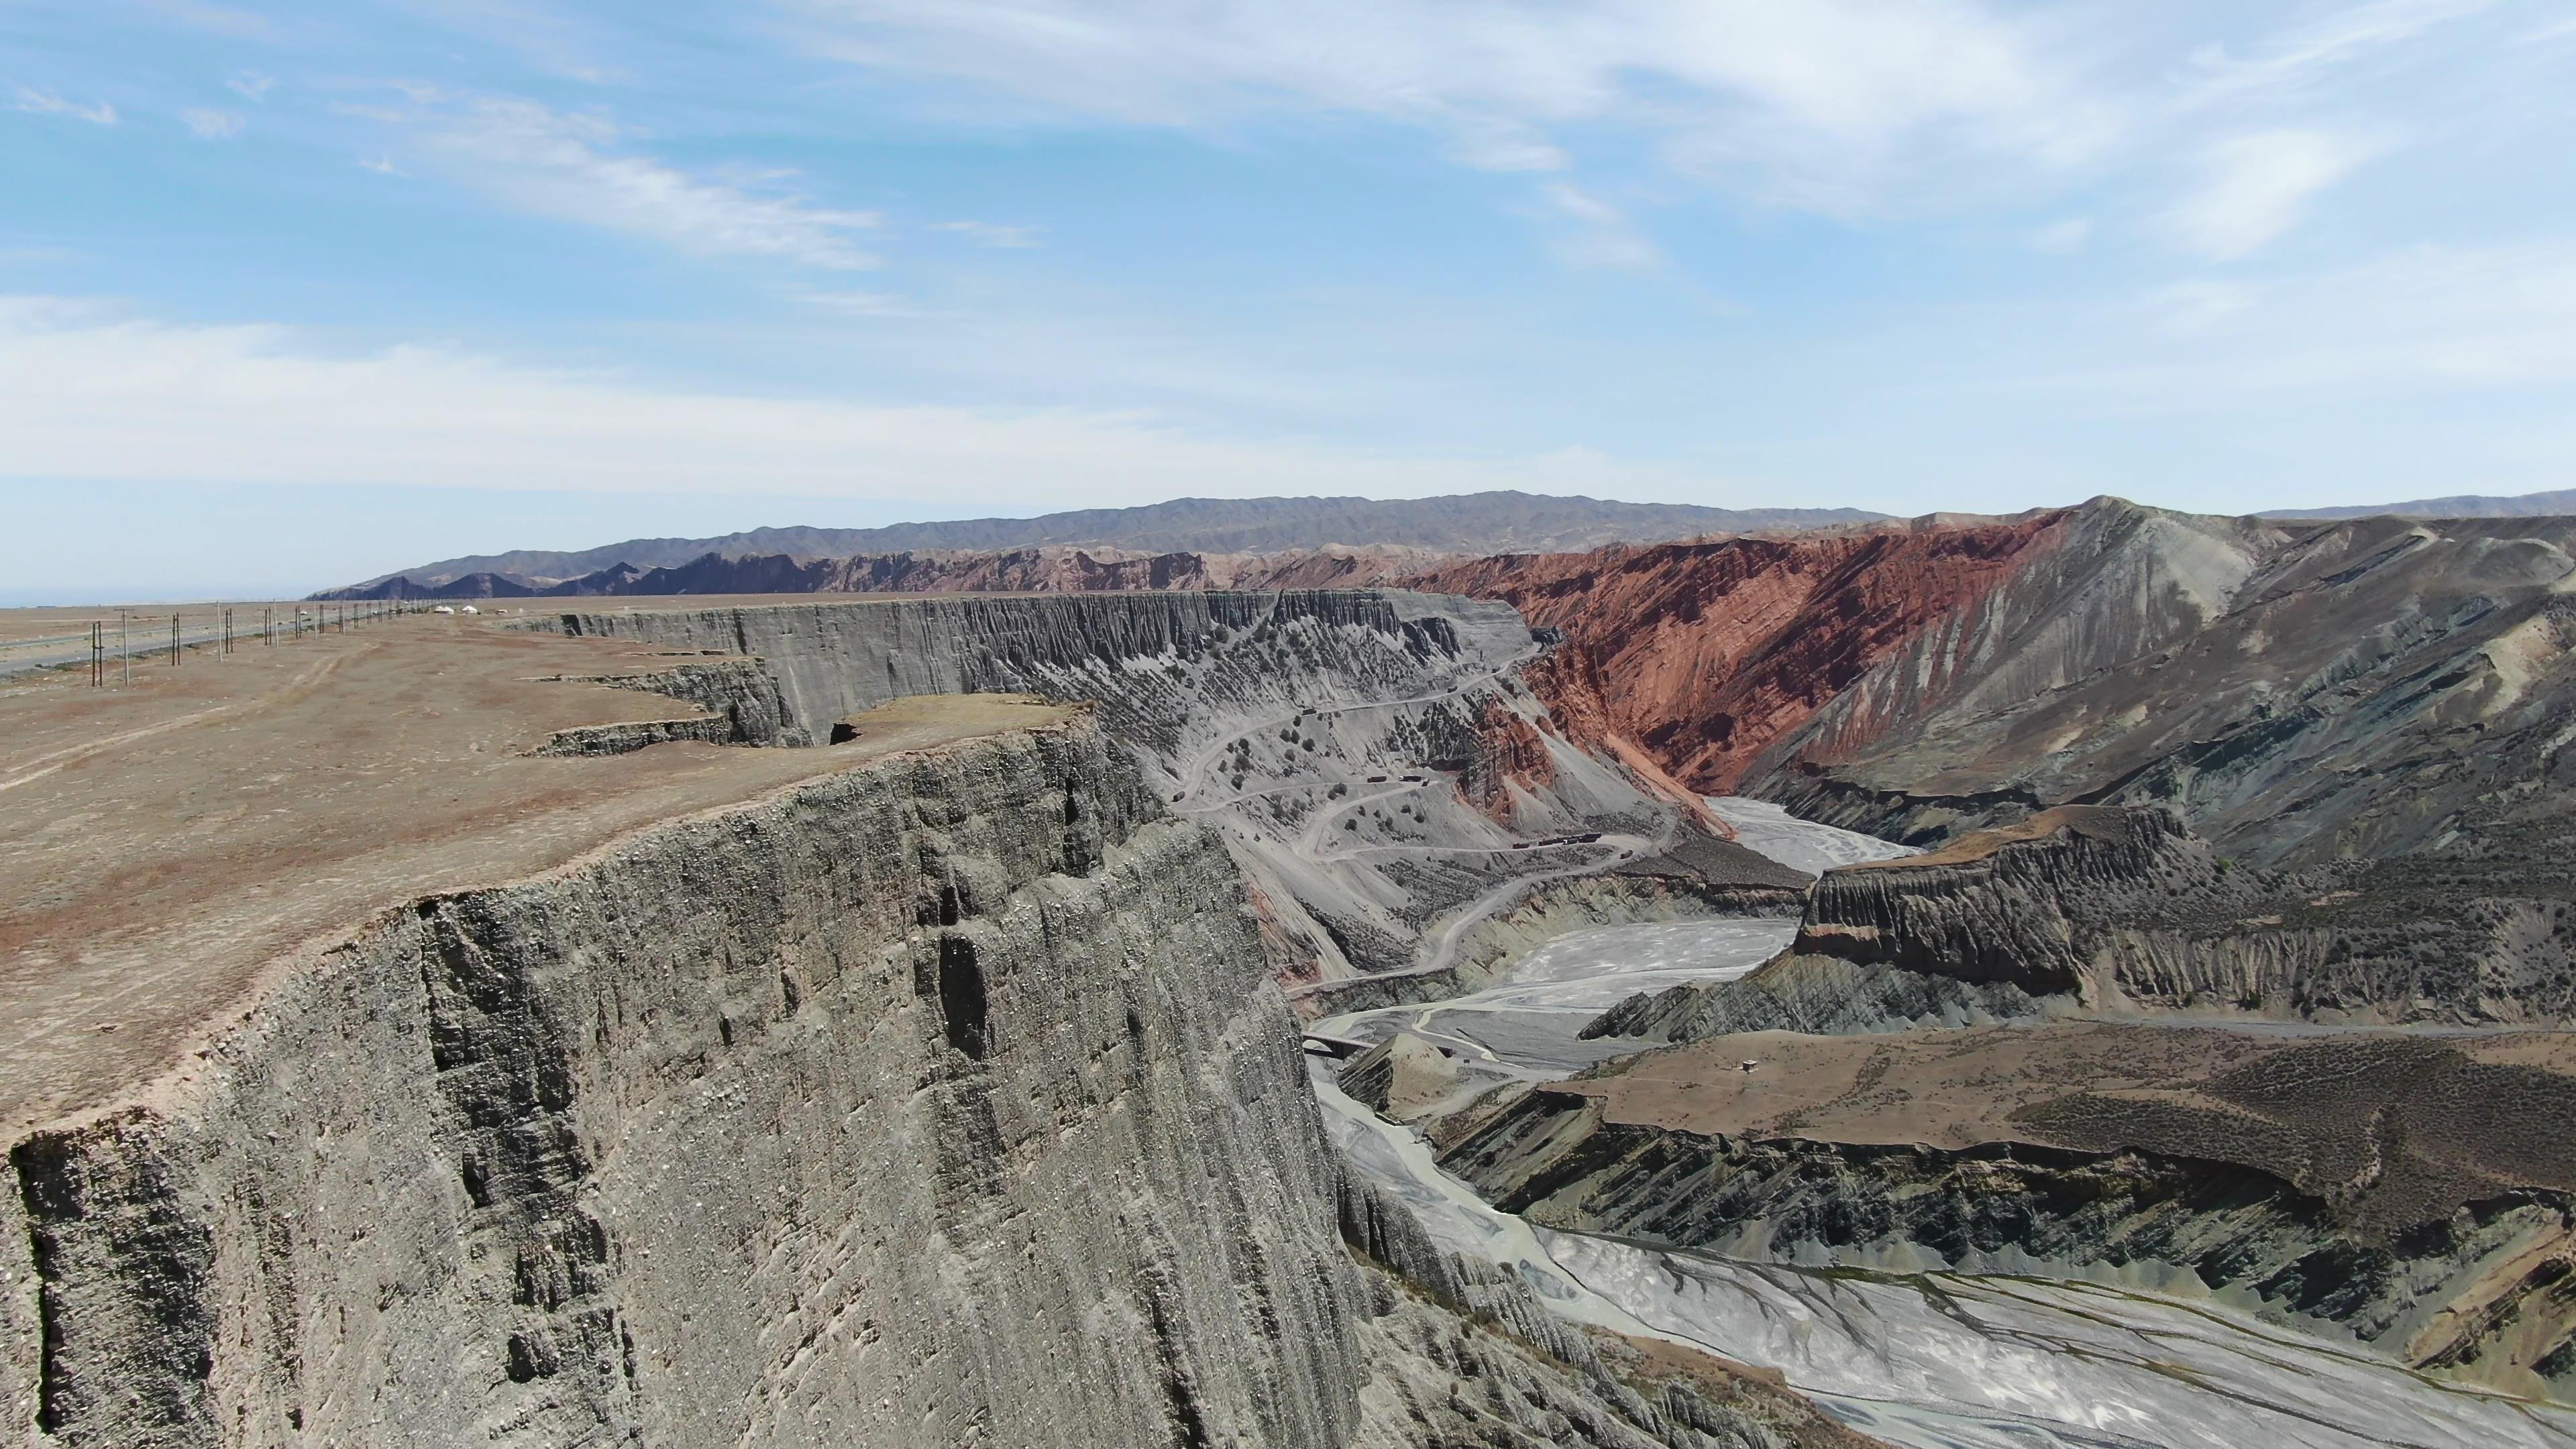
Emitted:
pixel 1703 654
pixel 2375 688
pixel 820 1118
pixel 2124 912
pixel 1401 1077
pixel 2396 1191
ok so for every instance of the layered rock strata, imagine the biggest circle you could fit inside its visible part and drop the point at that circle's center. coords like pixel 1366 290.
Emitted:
pixel 1704 654
pixel 2374 688
pixel 2124 912
pixel 821 1119
pixel 2405 1193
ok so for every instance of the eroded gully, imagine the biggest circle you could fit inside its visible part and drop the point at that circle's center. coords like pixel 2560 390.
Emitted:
pixel 1928 1360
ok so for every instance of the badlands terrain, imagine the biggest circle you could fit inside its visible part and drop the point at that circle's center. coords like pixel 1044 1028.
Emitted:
pixel 2100 977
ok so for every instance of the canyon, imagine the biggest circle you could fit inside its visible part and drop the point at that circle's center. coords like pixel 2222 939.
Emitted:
pixel 1695 992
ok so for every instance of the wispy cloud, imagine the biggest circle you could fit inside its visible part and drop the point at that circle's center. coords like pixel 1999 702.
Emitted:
pixel 2421 323
pixel 252 404
pixel 251 85
pixel 208 125
pixel 2257 186
pixel 985 233
pixel 45 103
pixel 2302 56
pixel 1821 97
pixel 578 167
pixel 382 165
pixel 1596 234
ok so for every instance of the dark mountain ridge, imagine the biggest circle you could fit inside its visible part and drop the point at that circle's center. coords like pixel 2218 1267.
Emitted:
pixel 2460 505
pixel 1463 523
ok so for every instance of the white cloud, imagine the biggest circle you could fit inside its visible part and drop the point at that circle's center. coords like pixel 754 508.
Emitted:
pixel 985 233
pixel 1600 234
pixel 251 85
pixel 264 405
pixel 861 304
pixel 212 125
pixel 2424 324
pixel 382 165
pixel 2062 237
pixel 2255 187
pixel 1818 98
pixel 571 167
pixel 45 103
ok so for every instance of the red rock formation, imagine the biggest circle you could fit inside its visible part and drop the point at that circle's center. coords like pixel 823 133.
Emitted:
pixel 1508 752
pixel 1698 655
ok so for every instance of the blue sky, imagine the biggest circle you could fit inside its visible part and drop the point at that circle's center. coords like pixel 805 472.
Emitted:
pixel 296 292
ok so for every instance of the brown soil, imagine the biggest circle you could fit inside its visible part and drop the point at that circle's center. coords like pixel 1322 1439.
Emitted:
pixel 163 848
pixel 2091 1085
pixel 2098 821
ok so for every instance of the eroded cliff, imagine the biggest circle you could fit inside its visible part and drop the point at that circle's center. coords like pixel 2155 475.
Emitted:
pixel 932 1090
pixel 820 1119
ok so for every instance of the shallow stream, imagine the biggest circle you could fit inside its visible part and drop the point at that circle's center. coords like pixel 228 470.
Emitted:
pixel 1927 1360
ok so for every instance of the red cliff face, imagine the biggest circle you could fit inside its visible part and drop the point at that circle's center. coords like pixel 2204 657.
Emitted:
pixel 1509 753
pixel 1701 654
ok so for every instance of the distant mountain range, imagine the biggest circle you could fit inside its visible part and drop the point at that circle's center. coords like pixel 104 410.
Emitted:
pixel 2465 505
pixel 1474 523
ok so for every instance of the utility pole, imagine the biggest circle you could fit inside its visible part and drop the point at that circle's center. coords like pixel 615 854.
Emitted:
pixel 97 654
pixel 174 641
pixel 123 653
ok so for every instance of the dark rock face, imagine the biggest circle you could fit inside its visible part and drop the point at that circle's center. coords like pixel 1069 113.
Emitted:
pixel 2024 912
pixel 2477 1286
pixel 2124 911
